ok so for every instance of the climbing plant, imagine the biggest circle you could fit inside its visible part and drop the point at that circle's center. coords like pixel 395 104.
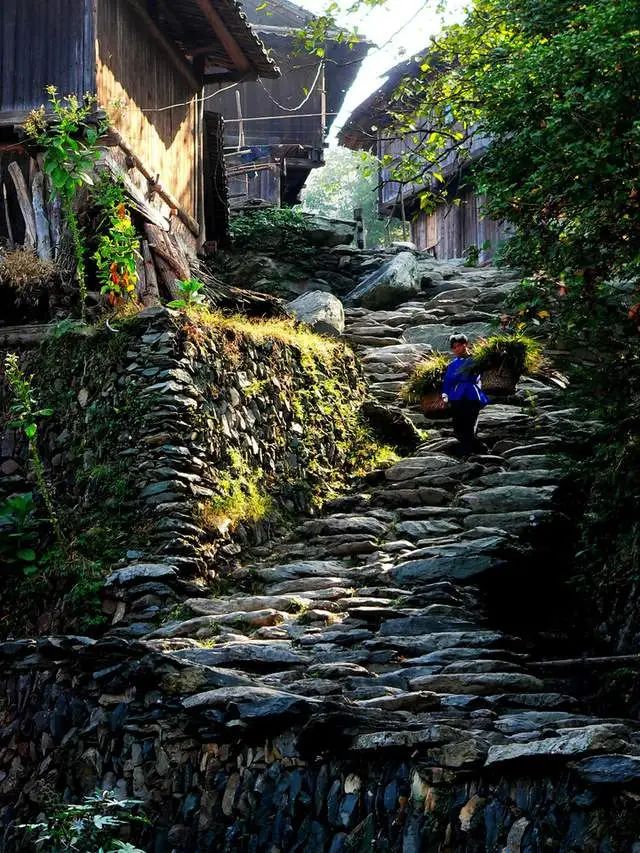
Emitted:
pixel 118 243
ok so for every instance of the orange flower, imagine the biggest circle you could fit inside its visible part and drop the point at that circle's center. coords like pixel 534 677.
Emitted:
pixel 121 211
pixel 634 312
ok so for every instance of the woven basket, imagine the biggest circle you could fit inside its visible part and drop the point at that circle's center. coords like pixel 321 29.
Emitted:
pixel 499 381
pixel 433 405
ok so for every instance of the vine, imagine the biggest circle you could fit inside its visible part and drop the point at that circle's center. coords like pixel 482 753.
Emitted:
pixel 119 246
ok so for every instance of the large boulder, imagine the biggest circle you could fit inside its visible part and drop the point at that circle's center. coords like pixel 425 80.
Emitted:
pixel 391 425
pixel 320 231
pixel 395 282
pixel 322 311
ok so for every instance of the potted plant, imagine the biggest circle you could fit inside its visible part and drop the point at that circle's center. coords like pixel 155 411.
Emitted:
pixel 501 360
pixel 424 386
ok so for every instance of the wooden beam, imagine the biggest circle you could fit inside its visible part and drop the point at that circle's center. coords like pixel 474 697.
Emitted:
pixel 233 49
pixel 183 215
pixel 170 49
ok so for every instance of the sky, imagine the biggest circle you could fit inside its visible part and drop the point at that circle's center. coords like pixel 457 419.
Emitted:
pixel 401 29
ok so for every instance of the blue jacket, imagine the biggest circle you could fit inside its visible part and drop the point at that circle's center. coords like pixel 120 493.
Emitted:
pixel 462 382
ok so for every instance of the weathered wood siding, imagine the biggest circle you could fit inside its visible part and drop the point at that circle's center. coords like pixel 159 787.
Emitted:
pixel 136 71
pixel 453 228
pixel 298 75
pixel 44 42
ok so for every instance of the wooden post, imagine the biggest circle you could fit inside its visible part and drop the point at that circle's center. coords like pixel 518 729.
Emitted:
pixel 40 216
pixel 404 215
pixel 10 241
pixel 150 294
pixel 30 234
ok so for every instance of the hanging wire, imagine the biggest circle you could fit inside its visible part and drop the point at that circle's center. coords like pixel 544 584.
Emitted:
pixel 303 102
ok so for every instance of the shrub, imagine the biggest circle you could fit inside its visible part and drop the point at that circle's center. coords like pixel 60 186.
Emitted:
pixel 269 228
pixel 25 274
pixel 425 379
pixel 517 352
pixel 89 826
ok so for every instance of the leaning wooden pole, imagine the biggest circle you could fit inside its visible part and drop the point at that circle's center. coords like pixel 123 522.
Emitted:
pixel 30 234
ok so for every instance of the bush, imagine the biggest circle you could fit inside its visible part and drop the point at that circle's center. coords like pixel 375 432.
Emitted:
pixel 425 379
pixel 517 353
pixel 268 228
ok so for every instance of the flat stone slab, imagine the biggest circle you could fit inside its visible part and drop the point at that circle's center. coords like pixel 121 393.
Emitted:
pixel 208 626
pixel 458 568
pixel 140 573
pixel 302 569
pixel 255 654
pixel 610 770
pixel 508 498
pixel 421 529
pixel 245 603
pixel 415 466
pixel 571 743
pixel 252 703
pixel 478 684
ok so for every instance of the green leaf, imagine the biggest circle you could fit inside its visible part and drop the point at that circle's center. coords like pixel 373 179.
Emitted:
pixel 26 554
pixel 30 430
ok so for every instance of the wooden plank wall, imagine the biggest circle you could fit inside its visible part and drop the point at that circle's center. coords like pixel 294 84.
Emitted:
pixel 44 42
pixel 452 228
pixel 136 71
pixel 298 74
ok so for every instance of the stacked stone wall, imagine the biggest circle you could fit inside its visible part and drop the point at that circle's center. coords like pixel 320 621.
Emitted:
pixel 155 424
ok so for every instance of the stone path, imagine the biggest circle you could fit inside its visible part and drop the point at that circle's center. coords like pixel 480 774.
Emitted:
pixel 378 608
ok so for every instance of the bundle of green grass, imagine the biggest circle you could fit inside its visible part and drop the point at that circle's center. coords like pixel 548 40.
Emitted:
pixel 501 359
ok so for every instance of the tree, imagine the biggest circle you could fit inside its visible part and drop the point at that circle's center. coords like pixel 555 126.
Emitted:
pixel 347 181
pixel 556 87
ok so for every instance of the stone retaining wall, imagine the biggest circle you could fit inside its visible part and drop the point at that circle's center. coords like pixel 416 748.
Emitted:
pixel 159 426
pixel 81 715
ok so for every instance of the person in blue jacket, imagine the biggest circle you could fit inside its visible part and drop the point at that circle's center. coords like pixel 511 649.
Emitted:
pixel 462 389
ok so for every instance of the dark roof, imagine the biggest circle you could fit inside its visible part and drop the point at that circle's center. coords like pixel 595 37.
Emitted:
pixel 205 28
pixel 277 13
pixel 360 131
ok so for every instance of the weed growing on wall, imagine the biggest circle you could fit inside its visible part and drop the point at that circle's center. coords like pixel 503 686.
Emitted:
pixel 190 295
pixel 88 826
pixel 242 497
pixel 25 416
pixel 19 534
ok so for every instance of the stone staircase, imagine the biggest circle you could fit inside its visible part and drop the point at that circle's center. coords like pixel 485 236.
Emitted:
pixel 381 602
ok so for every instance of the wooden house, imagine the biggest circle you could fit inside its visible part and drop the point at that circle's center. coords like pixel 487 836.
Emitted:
pixel 153 59
pixel 457 222
pixel 275 130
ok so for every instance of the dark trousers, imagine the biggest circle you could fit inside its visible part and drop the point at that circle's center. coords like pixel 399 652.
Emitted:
pixel 465 422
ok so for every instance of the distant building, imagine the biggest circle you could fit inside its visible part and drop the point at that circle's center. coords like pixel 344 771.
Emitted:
pixel 275 129
pixel 456 224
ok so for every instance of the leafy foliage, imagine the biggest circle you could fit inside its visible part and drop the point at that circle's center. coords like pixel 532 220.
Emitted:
pixel 19 534
pixel 118 244
pixel 70 153
pixel 25 415
pixel 271 228
pixel 89 826
pixel 190 295
pixel 347 181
